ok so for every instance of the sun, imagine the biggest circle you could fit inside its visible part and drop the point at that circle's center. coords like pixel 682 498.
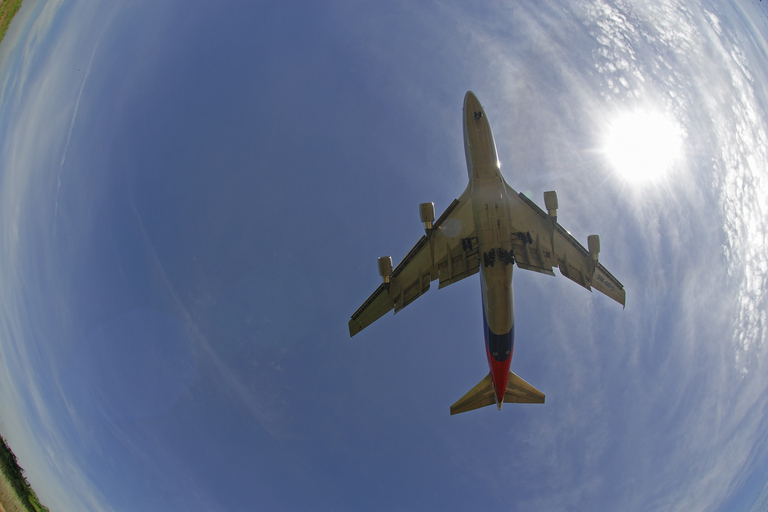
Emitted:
pixel 642 146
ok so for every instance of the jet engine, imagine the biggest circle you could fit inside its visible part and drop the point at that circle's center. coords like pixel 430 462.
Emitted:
pixel 427 211
pixel 593 242
pixel 550 202
pixel 385 268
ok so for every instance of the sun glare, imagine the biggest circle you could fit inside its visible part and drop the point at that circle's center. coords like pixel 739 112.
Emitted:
pixel 642 146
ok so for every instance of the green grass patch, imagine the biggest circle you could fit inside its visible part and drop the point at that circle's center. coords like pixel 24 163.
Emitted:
pixel 15 475
pixel 8 9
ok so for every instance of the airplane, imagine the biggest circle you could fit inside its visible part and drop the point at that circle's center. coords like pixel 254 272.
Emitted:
pixel 488 229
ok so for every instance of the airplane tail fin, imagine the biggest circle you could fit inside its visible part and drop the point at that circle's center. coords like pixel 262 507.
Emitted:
pixel 518 392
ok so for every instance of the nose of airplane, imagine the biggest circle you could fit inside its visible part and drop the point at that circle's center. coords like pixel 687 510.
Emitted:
pixel 471 103
pixel 473 111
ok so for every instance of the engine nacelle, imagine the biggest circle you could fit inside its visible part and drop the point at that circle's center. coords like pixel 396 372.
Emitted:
pixel 550 202
pixel 593 242
pixel 385 268
pixel 427 211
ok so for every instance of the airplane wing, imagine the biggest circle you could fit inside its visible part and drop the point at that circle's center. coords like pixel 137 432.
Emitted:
pixel 447 252
pixel 540 244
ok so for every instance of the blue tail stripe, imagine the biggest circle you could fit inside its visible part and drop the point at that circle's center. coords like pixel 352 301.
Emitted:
pixel 499 345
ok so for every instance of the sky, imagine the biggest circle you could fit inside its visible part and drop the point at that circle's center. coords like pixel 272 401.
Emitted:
pixel 192 201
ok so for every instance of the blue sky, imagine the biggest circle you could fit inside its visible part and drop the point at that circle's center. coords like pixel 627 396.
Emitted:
pixel 192 201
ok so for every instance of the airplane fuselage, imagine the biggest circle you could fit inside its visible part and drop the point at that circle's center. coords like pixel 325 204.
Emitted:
pixel 494 236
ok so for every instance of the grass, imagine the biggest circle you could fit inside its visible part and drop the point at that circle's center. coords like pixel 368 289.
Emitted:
pixel 8 9
pixel 14 475
pixel 9 502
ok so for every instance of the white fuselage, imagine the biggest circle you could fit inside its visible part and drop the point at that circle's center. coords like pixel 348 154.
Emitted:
pixel 494 235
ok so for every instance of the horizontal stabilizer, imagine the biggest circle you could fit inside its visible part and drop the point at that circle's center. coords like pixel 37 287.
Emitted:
pixel 479 396
pixel 518 392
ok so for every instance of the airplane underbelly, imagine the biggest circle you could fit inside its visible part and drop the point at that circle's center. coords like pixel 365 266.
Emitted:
pixel 498 298
pixel 498 320
pixel 492 225
pixel 491 214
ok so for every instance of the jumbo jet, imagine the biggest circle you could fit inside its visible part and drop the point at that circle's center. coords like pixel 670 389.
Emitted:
pixel 489 229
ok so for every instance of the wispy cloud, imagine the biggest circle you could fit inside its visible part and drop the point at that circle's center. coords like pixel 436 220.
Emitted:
pixel 30 105
pixel 69 133
pixel 683 411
